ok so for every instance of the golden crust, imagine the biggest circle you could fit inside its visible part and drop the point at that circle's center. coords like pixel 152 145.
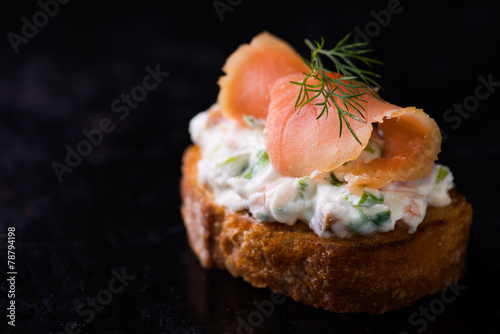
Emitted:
pixel 374 274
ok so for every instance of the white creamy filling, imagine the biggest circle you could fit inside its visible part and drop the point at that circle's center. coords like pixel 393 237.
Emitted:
pixel 236 168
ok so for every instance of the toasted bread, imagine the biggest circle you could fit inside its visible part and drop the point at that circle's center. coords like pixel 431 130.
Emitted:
pixel 373 273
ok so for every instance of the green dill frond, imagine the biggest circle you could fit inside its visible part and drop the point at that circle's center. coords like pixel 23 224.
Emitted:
pixel 342 92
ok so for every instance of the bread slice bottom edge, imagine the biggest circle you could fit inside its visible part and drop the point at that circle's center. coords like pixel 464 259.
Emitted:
pixel 374 273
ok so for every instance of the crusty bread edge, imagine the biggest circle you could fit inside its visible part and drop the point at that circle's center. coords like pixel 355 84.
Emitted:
pixel 373 274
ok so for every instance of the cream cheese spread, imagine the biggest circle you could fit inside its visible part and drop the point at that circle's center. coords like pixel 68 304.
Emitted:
pixel 236 168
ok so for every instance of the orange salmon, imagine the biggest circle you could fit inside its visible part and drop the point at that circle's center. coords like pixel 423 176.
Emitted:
pixel 299 144
pixel 251 72
pixel 257 83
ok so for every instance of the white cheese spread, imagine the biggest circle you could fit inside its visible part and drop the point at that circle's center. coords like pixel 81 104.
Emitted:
pixel 236 168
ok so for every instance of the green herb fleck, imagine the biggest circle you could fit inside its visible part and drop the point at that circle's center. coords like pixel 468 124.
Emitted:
pixel 262 162
pixel 369 149
pixel 235 165
pixel 262 216
pixel 303 184
pixel 251 121
pixel 364 221
pixel 374 148
pixel 368 200
pixel 357 226
pixel 381 217
pixel 442 174
pixel 334 181
pixel 217 148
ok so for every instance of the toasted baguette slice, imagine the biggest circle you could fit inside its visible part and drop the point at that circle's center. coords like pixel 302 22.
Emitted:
pixel 374 273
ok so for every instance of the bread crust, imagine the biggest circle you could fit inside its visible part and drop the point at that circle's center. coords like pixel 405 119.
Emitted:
pixel 375 273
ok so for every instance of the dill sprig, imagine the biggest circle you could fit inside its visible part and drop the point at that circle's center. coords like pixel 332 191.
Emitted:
pixel 348 89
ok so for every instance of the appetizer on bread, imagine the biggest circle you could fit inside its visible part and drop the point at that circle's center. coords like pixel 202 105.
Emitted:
pixel 303 180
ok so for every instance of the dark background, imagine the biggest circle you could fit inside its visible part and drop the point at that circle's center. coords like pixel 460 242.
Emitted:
pixel 120 207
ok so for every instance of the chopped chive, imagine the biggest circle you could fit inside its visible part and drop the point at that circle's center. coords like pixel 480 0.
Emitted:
pixel 303 184
pixel 334 181
pixel 235 165
pixel 374 148
pixel 216 149
pixel 442 174
pixel 262 216
pixel 378 219
pixel 251 121
pixel 356 226
pixel 369 149
pixel 381 217
pixel 229 160
pixel 368 200
pixel 262 162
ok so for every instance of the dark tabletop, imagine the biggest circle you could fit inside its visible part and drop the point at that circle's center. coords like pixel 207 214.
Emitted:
pixel 101 248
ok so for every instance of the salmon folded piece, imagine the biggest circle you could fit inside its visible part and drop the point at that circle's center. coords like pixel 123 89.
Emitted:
pixel 412 143
pixel 299 144
pixel 257 84
pixel 251 72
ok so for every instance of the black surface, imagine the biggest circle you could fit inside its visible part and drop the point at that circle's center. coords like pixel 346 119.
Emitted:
pixel 120 207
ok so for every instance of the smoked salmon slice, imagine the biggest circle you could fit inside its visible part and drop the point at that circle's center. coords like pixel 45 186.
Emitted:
pixel 251 72
pixel 258 84
pixel 299 144
pixel 412 143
